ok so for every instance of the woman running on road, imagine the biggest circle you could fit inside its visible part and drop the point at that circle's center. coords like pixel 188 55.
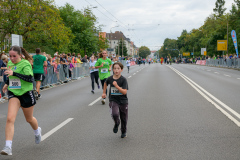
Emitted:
pixel 104 66
pixel 93 72
pixel 20 92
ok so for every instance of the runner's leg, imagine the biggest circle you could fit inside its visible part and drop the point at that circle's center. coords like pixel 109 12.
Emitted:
pixel 13 107
pixel 92 79
pixel 124 117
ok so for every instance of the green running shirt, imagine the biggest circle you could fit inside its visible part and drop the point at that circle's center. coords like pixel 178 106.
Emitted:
pixel 103 71
pixel 17 85
pixel 38 61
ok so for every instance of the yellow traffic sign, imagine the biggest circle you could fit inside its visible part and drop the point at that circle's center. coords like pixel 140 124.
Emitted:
pixel 221 45
pixel 186 53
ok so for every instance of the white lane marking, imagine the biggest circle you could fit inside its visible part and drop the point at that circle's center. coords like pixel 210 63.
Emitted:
pixel 238 78
pixel 227 75
pixel 94 101
pixel 137 71
pixel 134 73
pixel 216 72
pixel 129 76
pixel 55 129
pixel 192 83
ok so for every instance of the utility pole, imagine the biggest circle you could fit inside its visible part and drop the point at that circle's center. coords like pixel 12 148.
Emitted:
pixel 118 47
pixel 227 35
pixel 122 47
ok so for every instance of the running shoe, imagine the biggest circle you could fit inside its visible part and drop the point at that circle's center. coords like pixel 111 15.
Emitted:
pixel 38 138
pixel 98 87
pixel 35 94
pixel 103 101
pixel 115 128
pixel 92 91
pixel 39 96
pixel 6 151
pixel 124 135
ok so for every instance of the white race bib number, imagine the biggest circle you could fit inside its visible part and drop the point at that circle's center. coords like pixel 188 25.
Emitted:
pixel 115 91
pixel 104 70
pixel 14 84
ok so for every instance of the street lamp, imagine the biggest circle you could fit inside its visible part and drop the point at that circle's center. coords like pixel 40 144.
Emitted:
pixel 110 37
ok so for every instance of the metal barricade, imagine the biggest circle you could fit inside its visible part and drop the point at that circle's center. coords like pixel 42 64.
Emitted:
pixel 230 63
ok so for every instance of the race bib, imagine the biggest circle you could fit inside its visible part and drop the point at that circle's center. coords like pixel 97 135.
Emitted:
pixel 115 91
pixel 14 84
pixel 104 70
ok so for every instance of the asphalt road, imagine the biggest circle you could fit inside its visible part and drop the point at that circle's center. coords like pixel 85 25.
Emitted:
pixel 177 112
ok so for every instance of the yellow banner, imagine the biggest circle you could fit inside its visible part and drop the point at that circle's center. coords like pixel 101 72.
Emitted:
pixel 186 53
pixel 221 45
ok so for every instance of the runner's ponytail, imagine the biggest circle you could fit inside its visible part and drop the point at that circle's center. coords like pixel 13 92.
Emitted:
pixel 26 55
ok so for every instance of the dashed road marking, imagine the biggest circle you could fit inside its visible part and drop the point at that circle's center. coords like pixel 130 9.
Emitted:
pixel 227 75
pixel 94 101
pixel 129 76
pixel 56 128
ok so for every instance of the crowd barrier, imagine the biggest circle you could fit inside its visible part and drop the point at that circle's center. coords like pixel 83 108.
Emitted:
pixel 229 63
pixel 55 76
pixel 201 62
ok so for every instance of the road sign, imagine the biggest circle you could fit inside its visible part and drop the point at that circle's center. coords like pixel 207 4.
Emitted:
pixel 186 53
pixel 221 45
pixel 110 49
pixel 203 51
pixel 17 40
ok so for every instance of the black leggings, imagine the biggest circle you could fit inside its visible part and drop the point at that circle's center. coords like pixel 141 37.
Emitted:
pixel 102 82
pixel 94 75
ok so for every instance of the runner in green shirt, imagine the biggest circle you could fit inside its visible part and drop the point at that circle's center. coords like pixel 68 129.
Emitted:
pixel 104 66
pixel 39 61
pixel 20 94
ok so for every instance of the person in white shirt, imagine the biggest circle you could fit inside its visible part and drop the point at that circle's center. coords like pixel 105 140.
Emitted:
pixel 93 72
pixel 128 64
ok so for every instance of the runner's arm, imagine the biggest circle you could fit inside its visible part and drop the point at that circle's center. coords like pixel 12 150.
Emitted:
pixel 27 78
pixel 45 64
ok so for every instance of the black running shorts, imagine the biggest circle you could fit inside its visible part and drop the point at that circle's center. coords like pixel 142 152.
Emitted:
pixel 26 100
pixel 39 77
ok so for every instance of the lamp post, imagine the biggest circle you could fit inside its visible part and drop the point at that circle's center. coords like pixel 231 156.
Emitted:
pixel 227 35
pixel 227 32
pixel 110 37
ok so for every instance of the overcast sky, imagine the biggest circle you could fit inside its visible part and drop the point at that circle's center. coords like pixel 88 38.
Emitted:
pixel 148 22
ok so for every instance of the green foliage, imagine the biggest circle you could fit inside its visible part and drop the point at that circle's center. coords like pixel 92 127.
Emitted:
pixel 52 29
pixel 122 48
pixel 37 21
pixel 86 38
pixel 213 29
pixel 219 8
pixel 144 51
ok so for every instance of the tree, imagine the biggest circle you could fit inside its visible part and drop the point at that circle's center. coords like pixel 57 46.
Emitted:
pixel 144 51
pixel 122 48
pixel 82 25
pixel 219 8
pixel 37 21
